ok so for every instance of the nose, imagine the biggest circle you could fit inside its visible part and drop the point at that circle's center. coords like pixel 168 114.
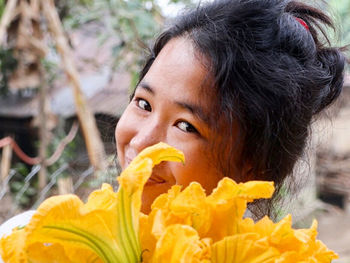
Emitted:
pixel 148 134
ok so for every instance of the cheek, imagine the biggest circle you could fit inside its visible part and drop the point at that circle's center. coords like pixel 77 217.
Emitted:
pixel 126 125
pixel 120 131
pixel 123 133
pixel 198 167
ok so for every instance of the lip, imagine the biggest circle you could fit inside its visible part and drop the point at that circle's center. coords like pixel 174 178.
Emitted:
pixel 127 161
pixel 155 179
pixel 129 155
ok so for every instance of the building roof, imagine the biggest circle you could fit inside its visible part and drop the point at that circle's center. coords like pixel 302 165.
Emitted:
pixel 93 60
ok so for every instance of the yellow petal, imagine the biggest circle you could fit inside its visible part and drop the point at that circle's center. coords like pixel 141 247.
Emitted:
pixel 243 248
pixel 175 207
pixel 307 235
pixel 137 173
pixel 191 204
pixel 131 183
pixel 12 247
pixel 264 227
pixel 255 189
pixel 162 214
pixel 160 152
pixel 43 253
pixel 133 179
pixel 64 220
pixel 228 189
pixel 148 240
pixel 152 226
pixel 180 243
pixel 322 253
pixel 164 200
pixel 102 199
pixel 228 203
pixel 283 237
pixel 290 257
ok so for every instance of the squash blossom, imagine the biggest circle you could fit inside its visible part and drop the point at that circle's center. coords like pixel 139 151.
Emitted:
pixel 183 226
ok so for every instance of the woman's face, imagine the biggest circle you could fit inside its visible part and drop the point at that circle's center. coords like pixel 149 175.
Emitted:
pixel 171 105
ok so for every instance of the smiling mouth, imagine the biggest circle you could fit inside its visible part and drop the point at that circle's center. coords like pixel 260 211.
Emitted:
pixel 154 179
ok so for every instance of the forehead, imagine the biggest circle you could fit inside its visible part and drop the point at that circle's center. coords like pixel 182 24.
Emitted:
pixel 179 71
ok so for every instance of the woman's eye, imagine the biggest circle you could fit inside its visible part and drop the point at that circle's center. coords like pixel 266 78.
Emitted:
pixel 143 104
pixel 186 127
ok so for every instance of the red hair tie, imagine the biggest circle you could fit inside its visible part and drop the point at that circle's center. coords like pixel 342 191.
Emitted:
pixel 302 22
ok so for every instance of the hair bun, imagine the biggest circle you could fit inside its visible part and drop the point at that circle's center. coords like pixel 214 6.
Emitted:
pixel 331 81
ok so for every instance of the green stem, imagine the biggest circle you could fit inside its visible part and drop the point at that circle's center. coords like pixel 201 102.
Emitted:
pixel 97 245
pixel 123 231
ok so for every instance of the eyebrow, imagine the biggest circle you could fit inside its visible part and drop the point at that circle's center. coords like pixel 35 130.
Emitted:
pixel 193 108
pixel 146 87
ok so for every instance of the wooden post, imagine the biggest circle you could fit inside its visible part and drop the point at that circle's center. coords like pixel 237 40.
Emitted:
pixel 43 108
pixel 6 161
pixel 65 185
pixel 86 118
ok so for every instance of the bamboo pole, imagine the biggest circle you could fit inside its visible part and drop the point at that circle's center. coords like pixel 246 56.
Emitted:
pixel 91 134
pixel 65 185
pixel 43 131
pixel 6 161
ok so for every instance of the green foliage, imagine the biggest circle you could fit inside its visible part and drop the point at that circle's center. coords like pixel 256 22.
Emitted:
pixel 131 25
pixel 341 10
pixel 68 154
pixel 50 69
pixel 2 7
pixel 24 192
pixel 7 64
pixel 64 6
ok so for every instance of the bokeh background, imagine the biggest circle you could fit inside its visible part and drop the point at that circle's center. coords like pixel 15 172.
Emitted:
pixel 66 71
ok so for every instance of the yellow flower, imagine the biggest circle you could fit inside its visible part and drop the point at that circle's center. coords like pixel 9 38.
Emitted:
pixel 185 220
pixel 184 226
pixel 215 216
pixel 105 229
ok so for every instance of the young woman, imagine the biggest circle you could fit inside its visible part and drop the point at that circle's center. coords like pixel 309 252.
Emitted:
pixel 234 84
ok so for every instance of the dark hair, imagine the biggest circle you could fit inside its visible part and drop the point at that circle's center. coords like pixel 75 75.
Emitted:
pixel 272 75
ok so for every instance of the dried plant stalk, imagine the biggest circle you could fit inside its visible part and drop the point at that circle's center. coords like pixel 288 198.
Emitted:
pixel 86 118
pixel 5 162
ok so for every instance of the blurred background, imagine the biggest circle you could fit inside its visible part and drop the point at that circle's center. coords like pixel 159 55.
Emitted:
pixel 66 71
